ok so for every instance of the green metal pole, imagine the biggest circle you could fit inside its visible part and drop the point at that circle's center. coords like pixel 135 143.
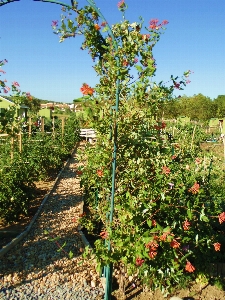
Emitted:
pixel 107 269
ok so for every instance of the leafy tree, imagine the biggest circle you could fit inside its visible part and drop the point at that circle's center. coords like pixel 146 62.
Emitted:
pixel 219 106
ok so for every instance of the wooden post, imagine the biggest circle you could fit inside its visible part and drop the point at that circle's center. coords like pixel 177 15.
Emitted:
pixel 63 125
pixel 12 147
pixel 192 140
pixel 224 146
pixel 42 124
pixel 30 123
pixel 53 126
pixel 20 142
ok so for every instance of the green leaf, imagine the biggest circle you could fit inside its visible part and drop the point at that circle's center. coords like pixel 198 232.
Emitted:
pixel 149 222
pixel 189 213
pixel 196 239
pixel 70 254
pixel 139 68
pixel 205 219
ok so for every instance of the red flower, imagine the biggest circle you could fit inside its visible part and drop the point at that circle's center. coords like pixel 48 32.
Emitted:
pixel 121 4
pixel 125 63
pixel 145 36
pixel 164 22
pixel 195 188
pixel 103 24
pixel 97 27
pixel 189 267
pixel 163 237
pixel 104 235
pixel 198 161
pixel 100 173
pixel 176 85
pixel 222 217
pixel 163 125
pixel 174 244
pixel 165 170
pixel 186 225
pixel 152 254
pixel 86 89
pixel 153 24
pixel 152 246
pixel 79 172
pixel 82 215
pixel 217 246
pixel 139 262
pixel 174 157
pixel 154 223
pixel 54 23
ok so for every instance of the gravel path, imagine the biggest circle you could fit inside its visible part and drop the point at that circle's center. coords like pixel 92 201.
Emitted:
pixel 34 269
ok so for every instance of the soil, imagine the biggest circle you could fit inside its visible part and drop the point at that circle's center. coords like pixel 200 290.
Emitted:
pixel 194 292
pixel 10 231
pixel 217 149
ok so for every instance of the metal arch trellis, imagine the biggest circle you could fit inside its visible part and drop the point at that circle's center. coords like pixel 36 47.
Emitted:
pixel 3 2
pixel 109 268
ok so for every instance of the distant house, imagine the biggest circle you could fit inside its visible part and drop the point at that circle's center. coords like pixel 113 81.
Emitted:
pixel 217 124
pixel 5 103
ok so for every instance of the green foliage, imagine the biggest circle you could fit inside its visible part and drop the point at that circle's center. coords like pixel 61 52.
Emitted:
pixel 197 107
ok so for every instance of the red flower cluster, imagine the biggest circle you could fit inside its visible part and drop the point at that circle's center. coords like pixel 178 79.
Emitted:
pixel 165 170
pixel 217 246
pixel 189 267
pixel 176 85
pixel 152 246
pixel 160 126
pixel 97 27
pixel 222 217
pixel 121 4
pixel 139 262
pixel 154 24
pixel 163 237
pixel 104 235
pixel 79 172
pixel 174 244
pixel 86 89
pixel 186 225
pixel 125 63
pixel 100 173
pixel 195 188
pixel 154 223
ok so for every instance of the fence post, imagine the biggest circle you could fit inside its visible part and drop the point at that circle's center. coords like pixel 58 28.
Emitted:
pixel 12 147
pixel 20 142
pixel 42 124
pixel 30 122
pixel 53 126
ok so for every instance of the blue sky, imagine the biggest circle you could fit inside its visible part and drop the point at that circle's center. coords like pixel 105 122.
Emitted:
pixel 194 40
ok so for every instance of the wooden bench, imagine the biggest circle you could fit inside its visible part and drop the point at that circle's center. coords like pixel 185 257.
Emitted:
pixel 88 133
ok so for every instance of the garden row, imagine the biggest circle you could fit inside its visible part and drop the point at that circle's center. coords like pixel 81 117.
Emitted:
pixel 32 158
